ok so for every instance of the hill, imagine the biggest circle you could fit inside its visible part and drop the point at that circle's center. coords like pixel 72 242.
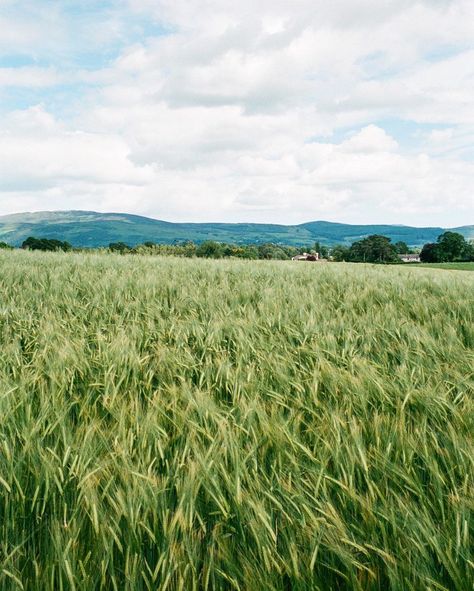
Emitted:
pixel 92 229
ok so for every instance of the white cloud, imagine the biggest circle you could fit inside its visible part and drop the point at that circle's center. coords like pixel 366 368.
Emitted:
pixel 30 77
pixel 370 139
pixel 35 150
pixel 258 110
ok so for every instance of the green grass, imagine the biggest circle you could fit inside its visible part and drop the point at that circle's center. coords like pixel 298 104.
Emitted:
pixel 449 266
pixel 182 424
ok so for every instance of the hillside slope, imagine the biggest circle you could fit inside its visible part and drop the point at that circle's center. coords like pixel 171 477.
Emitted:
pixel 92 229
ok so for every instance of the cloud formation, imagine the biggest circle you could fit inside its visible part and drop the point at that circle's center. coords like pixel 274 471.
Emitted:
pixel 272 111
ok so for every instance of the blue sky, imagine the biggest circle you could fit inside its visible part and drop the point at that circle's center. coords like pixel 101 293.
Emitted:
pixel 270 111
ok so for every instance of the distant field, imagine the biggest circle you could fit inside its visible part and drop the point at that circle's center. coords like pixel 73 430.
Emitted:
pixel 453 266
pixel 195 424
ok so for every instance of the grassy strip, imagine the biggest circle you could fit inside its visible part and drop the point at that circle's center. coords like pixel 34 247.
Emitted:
pixel 449 266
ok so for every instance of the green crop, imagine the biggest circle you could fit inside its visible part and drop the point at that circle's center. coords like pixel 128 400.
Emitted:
pixel 211 425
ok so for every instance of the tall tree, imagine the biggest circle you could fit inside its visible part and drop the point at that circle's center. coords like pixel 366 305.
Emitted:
pixel 340 253
pixel 430 253
pixel 452 246
pixel 402 247
pixel 374 249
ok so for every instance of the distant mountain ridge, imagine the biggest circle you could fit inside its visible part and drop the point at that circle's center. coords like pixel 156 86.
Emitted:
pixel 93 229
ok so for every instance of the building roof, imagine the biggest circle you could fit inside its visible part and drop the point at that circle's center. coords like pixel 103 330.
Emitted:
pixel 409 257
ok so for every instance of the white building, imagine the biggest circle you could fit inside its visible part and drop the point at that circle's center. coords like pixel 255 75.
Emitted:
pixel 306 256
pixel 410 258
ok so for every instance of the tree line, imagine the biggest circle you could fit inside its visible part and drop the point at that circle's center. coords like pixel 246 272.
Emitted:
pixel 449 247
pixel 211 249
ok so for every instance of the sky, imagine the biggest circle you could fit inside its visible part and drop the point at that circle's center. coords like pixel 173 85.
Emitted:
pixel 357 111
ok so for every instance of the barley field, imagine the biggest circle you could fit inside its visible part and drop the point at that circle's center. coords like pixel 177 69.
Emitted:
pixel 171 424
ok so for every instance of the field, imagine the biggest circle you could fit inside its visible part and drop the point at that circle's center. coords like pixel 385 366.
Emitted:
pixel 449 266
pixel 190 425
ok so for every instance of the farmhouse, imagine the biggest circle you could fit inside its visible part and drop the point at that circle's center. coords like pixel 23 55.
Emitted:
pixel 313 256
pixel 410 258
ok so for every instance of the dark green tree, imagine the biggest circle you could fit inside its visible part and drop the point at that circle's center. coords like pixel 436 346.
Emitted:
pixel 402 247
pixel 374 249
pixel 469 253
pixel 340 253
pixel 272 251
pixel 119 247
pixel 452 246
pixel 430 253
pixel 45 244
pixel 5 246
pixel 210 249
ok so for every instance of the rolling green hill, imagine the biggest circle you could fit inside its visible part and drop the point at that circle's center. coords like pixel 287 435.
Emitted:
pixel 92 229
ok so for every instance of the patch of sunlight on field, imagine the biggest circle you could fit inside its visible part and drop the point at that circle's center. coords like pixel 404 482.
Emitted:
pixel 189 424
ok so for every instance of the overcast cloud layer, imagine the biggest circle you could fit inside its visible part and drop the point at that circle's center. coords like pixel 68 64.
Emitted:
pixel 216 110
